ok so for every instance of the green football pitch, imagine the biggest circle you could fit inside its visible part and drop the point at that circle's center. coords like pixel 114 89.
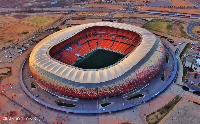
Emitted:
pixel 98 59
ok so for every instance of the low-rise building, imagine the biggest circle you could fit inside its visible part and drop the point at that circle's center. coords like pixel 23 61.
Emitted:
pixel 192 60
pixel 193 80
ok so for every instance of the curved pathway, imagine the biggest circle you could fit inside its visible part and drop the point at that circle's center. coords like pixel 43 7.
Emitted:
pixel 189 29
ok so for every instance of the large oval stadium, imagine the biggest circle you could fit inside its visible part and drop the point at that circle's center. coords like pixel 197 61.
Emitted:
pixel 97 60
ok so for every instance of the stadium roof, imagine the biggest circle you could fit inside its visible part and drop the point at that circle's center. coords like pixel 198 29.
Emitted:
pixel 40 55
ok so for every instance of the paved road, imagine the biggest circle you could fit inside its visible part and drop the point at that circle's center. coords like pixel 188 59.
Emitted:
pixel 58 9
pixel 189 29
pixel 195 3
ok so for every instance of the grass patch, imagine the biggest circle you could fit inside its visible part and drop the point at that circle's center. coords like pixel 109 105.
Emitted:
pixel 98 59
pixel 78 18
pixel 185 71
pixel 157 116
pixel 186 48
pixel 9 41
pixel 25 32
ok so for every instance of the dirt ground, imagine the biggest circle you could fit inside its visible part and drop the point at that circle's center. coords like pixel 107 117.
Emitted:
pixel 7 19
pixel 20 16
pixel 185 3
pixel 18 26
pixel 185 100
pixel 113 120
pixel 176 30
pixel 14 31
pixel 154 105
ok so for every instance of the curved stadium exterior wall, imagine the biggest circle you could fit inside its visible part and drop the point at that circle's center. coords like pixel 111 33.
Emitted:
pixel 136 69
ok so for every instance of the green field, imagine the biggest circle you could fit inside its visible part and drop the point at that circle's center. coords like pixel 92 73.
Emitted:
pixel 98 59
pixel 163 26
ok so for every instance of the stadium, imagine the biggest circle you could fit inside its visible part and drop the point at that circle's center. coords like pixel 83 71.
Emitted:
pixel 96 60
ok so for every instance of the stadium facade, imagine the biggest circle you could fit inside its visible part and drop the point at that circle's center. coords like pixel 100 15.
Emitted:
pixel 53 61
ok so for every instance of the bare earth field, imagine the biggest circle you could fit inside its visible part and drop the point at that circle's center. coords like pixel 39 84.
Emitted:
pixel 189 11
pixel 154 105
pixel 186 112
pixel 176 29
pixel 14 31
pixel 18 29
pixel 113 120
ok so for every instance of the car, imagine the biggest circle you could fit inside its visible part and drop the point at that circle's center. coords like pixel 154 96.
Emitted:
pixel 192 43
pixel 170 40
pixel 179 43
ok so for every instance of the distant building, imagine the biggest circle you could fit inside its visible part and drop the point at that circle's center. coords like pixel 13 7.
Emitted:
pixel 52 3
pixel 192 60
pixel 193 80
